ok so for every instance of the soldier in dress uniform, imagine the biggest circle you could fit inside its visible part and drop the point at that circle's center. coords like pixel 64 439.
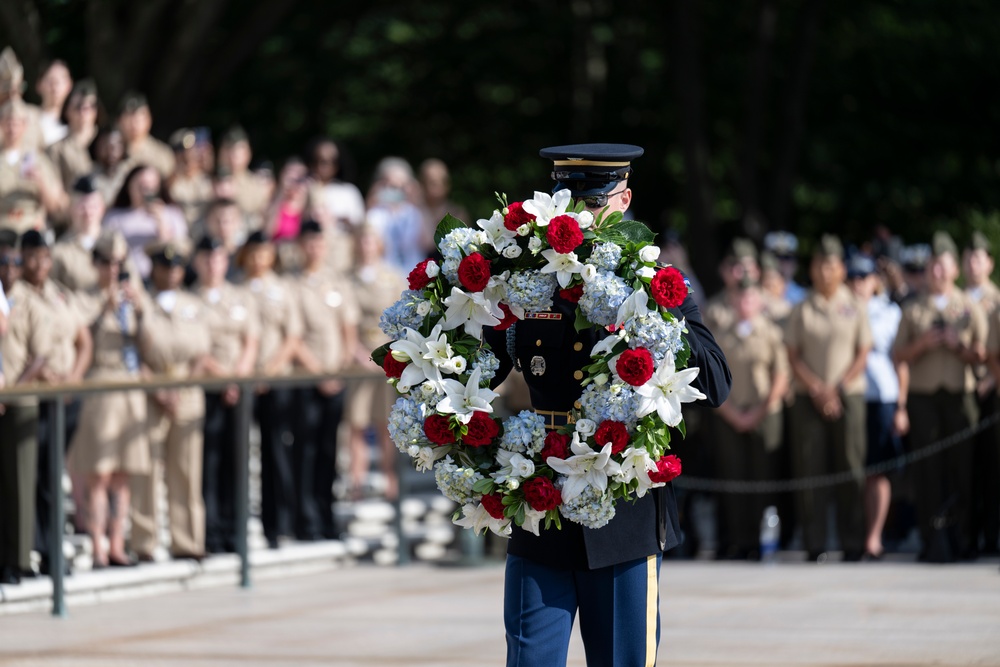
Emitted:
pixel 135 121
pixel 750 429
pixel 190 187
pixel 329 337
pixel 234 326
pixel 280 337
pixel 739 262
pixel 940 341
pixel 828 339
pixel 11 89
pixel 30 190
pixel 72 256
pixel 914 260
pixel 174 342
pixel 110 443
pixel 51 345
pixel 610 574
pixel 977 269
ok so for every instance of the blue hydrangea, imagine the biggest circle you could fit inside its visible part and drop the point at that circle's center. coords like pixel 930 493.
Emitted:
pixel 524 433
pixel 602 297
pixel 615 401
pixel 487 363
pixel 656 334
pixel 456 482
pixel 591 508
pixel 606 256
pixel 406 424
pixel 402 314
pixel 531 290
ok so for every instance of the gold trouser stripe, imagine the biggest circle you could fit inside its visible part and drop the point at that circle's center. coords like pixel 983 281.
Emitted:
pixel 652 587
pixel 588 163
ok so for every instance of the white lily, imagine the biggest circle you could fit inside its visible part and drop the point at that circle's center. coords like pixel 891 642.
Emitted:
pixel 497 234
pixel 545 206
pixel 636 305
pixel 585 468
pixel 666 390
pixel 607 344
pixel 425 457
pixel 514 467
pixel 464 399
pixel 565 266
pixel 637 464
pixel 412 349
pixel 470 310
pixel 475 516
pixel 532 520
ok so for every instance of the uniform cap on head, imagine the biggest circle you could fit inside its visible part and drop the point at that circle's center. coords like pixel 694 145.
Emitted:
pixel 258 237
pixel 740 248
pixel 11 71
pixel 309 227
pixel 860 266
pixel 914 258
pixel 183 139
pixel 111 246
pixel 782 244
pixel 8 238
pixel 33 239
pixel 829 246
pixel 132 102
pixel 234 135
pixel 590 169
pixel 980 242
pixel 84 185
pixel 168 253
pixel 208 243
pixel 943 244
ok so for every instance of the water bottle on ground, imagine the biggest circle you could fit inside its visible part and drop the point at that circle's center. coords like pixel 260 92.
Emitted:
pixel 770 532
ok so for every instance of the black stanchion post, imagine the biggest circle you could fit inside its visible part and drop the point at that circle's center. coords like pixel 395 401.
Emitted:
pixel 57 445
pixel 242 459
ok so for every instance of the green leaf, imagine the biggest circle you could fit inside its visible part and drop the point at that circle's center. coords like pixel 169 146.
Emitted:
pixel 378 354
pixel 682 427
pixel 448 223
pixel 581 323
pixel 483 486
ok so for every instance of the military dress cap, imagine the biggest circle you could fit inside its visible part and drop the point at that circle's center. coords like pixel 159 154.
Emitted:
pixel 84 185
pixel 183 139
pixel 829 246
pixel 208 243
pixel 782 244
pixel 111 246
pixel 33 239
pixel 860 266
pixel 309 227
pixel 590 169
pixel 132 102
pixel 942 244
pixel 741 248
pixel 8 238
pixel 978 241
pixel 914 258
pixel 11 71
pixel 168 253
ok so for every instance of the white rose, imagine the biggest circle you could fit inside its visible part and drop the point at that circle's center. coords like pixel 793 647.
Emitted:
pixel 524 229
pixel 521 466
pixel 585 219
pixel 512 484
pixel 512 251
pixel 423 308
pixel 432 269
pixel 534 244
pixel 586 428
pixel 457 364
pixel 650 253
pixel 588 273
pixel 646 272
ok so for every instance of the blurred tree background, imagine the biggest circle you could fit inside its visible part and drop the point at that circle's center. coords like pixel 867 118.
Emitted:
pixel 807 115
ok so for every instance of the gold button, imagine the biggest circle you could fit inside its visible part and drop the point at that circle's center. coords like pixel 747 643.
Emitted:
pixel 538 343
pixel 578 375
pixel 577 405
pixel 577 346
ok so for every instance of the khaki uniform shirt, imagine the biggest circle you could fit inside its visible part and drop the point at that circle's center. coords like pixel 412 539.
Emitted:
pixel 33 135
pixel 43 323
pixel 756 354
pixel 153 153
pixel 376 288
pixel 718 314
pixel 73 263
pixel 280 316
pixel 941 368
pixel 192 195
pixel 108 184
pixel 71 160
pixel 828 335
pixel 328 306
pixel 231 315
pixel 20 199
pixel 987 296
pixel 109 338
pixel 251 194
pixel 172 338
pixel 777 309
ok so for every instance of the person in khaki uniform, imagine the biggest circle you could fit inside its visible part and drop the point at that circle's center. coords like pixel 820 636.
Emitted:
pixel 72 255
pixel 749 427
pixel 234 327
pixel 251 192
pixel 135 121
pixel 280 338
pixel 173 342
pixel 977 269
pixel 48 341
pixel 777 307
pixel 30 190
pixel 377 286
pixel 740 262
pixel 828 339
pixel 12 89
pixel 329 337
pixel 190 187
pixel 941 339
pixel 71 155
pixel 110 443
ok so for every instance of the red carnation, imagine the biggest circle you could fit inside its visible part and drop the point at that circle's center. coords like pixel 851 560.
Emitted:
pixel 418 276
pixel 556 444
pixel 667 468
pixel 392 368
pixel 482 430
pixel 437 428
pixel 564 234
pixel 572 294
pixel 474 272
pixel 635 366
pixel 541 494
pixel 516 216
pixel 508 320
pixel 668 287
pixel 493 504
pixel 613 432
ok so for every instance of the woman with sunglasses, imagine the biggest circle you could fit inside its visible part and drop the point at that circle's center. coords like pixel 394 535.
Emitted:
pixel 71 155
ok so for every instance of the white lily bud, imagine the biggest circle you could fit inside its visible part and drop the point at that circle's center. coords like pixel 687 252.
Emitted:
pixel 400 356
pixel 601 380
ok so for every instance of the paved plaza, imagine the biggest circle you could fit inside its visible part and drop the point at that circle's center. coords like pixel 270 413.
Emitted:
pixel 714 614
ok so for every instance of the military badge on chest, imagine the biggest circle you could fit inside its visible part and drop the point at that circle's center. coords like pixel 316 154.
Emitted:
pixel 537 365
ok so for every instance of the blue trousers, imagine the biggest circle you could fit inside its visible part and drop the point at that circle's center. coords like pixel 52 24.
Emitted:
pixel 619 613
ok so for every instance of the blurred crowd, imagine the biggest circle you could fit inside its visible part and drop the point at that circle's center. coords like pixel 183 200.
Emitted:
pixel 122 257
pixel 890 350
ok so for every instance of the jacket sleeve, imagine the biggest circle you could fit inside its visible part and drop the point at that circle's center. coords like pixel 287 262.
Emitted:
pixel 497 341
pixel 714 380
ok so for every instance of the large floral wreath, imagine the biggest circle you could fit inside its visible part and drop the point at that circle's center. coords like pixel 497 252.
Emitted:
pixel 515 472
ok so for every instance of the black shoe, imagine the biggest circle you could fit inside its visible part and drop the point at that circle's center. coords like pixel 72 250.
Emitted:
pixel 818 557
pixel 9 576
pixel 853 556
pixel 272 543
pixel 122 563
pixel 869 557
